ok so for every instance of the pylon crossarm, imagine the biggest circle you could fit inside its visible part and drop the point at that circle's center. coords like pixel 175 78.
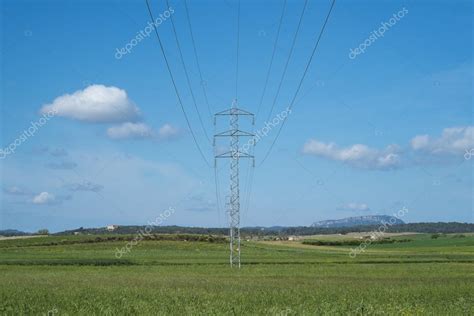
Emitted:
pixel 234 133
pixel 230 154
pixel 234 111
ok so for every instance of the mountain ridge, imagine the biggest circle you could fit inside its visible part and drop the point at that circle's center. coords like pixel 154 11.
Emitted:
pixel 355 221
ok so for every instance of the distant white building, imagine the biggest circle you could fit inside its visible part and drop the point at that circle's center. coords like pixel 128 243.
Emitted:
pixel 111 228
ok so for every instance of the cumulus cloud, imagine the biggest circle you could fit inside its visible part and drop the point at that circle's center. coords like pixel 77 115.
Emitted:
pixel 453 141
pixel 102 104
pixel 15 190
pixel 168 131
pixel 358 155
pixel 356 207
pixel 44 198
pixel 130 130
pixel 96 104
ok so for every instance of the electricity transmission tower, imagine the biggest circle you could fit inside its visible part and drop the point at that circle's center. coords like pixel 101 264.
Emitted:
pixel 234 153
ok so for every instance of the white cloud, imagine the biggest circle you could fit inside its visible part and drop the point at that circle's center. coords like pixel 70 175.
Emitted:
pixel 85 186
pixel 62 165
pixel 358 207
pixel 14 190
pixel 97 104
pixel 58 152
pixel 420 141
pixel 44 198
pixel 130 130
pixel 55 152
pixel 199 203
pixel 168 131
pixel 358 155
pixel 453 140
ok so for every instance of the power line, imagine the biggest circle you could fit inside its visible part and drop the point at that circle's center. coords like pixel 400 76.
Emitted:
pixel 249 179
pixel 237 54
pixel 250 173
pixel 302 79
pixel 251 170
pixel 216 180
pixel 197 59
pixel 174 85
pixel 188 80
pixel 271 59
pixel 288 59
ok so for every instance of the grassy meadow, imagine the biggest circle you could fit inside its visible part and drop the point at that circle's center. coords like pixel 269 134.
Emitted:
pixel 57 275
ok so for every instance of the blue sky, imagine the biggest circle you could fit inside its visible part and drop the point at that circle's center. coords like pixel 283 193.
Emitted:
pixel 390 128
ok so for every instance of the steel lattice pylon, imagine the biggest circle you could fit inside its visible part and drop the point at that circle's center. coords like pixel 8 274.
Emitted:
pixel 234 154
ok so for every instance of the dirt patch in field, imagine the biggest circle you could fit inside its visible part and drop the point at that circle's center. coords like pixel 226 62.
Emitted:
pixel 19 237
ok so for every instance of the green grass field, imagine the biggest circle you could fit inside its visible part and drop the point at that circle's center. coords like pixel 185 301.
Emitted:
pixel 69 276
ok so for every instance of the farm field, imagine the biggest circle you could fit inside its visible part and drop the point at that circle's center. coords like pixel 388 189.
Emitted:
pixel 81 275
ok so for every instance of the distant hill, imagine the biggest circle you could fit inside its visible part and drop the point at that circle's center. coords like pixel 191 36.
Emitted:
pixel 359 221
pixel 12 232
pixel 452 227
